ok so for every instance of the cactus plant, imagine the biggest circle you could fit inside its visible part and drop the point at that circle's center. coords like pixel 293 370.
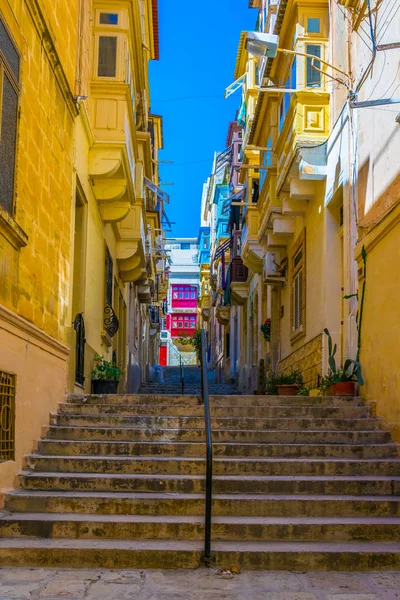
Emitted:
pixel 351 370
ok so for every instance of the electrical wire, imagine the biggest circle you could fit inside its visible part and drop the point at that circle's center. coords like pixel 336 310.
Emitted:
pixel 220 96
pixel 390 19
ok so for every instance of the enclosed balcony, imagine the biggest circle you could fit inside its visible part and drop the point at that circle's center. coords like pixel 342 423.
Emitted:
pixel 252 251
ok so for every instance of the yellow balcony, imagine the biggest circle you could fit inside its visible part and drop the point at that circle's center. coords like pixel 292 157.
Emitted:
pixel 306 124
pixel 252 251
pixel 131 245
pixel 113 153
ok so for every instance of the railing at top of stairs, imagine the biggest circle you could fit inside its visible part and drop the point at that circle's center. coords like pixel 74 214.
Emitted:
pixel 209 452
pixel 182 374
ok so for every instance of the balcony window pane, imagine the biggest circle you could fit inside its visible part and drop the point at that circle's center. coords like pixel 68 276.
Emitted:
pixel 107 56
pixel 108 19
pixel 313 25
pixel 313 76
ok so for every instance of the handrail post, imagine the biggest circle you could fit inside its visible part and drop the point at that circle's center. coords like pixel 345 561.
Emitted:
pixel 182 379
pixel 205 398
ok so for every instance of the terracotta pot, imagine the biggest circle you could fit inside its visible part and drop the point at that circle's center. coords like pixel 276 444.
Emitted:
pixel 288 389
pixel 105 386
pixel 343 388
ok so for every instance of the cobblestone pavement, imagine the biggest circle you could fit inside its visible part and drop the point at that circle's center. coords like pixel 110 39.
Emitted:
pixel 66 584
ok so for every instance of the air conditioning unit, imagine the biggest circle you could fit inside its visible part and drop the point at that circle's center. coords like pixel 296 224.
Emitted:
pixel 271 264
pixel 271 268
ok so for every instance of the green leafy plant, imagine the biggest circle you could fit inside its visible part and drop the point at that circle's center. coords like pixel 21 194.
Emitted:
pixel 294 377
pixel 196 343
pixel 104 369
pixel 304 391
pixel 351 370
pixel 266 330
pixel 271 385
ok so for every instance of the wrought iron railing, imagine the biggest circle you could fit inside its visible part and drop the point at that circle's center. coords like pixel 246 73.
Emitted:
pixel 79 326
pixel 182 373
pixel 209 452
pixel 7 416
pixel 111 322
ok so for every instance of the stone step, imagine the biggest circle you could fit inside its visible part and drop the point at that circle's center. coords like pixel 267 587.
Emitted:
pixel 216 411
pixel 252 400
pixel 183 448
pixel 221 466
pixel 191 527
pixel 174 422
pixel 374 436
pixel 251 484
pixel 128 503
pixel 187 554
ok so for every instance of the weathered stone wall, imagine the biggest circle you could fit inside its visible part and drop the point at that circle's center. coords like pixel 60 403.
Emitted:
pixel 34 280
pixel 307 359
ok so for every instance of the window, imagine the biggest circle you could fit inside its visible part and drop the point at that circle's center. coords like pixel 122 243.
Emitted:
pixel 313 25
pixel 290 84
pixel 9 93
pixel 298 287
pixel 107 65
pixel 185 246
pixel 108 19
pixel 7 416
pixel 108 278
pixel 313 77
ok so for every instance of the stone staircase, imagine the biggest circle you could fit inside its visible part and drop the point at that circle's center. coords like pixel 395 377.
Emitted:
pixel 118 482
pixel 192 383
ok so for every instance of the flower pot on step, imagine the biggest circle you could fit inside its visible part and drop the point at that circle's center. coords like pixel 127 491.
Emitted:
pixel 288 389
pixel 343 388
pixel 105 386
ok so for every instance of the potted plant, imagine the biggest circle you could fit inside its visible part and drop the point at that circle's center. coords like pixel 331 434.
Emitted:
pixel 105 376
pixel 287 384
pixel 290 383
pixel 343 379
pixel 266 330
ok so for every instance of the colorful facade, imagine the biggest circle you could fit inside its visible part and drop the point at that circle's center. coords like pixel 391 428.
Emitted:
pixel 82 264
pixel 181 318
pixel 312 213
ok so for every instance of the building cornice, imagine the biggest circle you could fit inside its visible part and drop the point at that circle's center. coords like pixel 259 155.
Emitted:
pixel 20 327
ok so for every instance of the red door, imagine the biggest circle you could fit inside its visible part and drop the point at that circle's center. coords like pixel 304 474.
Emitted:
pixel 163 355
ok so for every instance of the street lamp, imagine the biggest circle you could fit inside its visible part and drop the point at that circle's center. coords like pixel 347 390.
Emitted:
pixel 262 44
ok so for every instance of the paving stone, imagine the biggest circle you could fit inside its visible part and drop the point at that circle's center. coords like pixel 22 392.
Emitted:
pixel 17 592
pixel 352 597
pixel 274 580
pixel 387 580
pixel 338 581
pixel 63 588
pixel 113 591
pixel 16 575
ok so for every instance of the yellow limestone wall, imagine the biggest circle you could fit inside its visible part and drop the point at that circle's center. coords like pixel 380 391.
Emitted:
pixel 293 355
pixel 34 281
pixel 380 355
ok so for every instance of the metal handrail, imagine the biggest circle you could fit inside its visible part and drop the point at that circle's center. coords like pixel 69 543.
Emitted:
pixel 182 374
pixel 209 453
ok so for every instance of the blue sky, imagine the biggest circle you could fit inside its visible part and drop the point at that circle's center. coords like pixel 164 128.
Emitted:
pixel 198 44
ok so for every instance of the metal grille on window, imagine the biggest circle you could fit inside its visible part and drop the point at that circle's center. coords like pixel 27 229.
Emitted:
pixel 109 278
pixel 79 327
pixel 7 416
pixel 298 300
